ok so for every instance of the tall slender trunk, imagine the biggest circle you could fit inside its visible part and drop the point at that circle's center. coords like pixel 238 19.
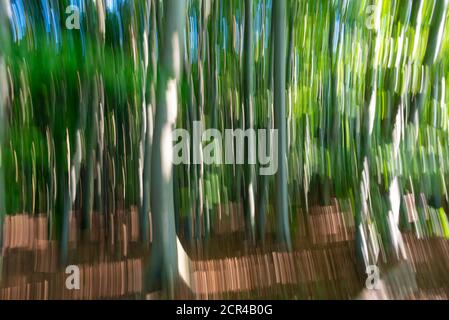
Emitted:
pixel 280 122
pixel 91 133
pixel 265 179
pixel 364 253
pixel 162 206
pixel 248 79
pixel 148 137
pixel 4 45
pixel 68 187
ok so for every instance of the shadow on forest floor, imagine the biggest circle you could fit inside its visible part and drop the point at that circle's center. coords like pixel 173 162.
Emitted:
pixel 111 259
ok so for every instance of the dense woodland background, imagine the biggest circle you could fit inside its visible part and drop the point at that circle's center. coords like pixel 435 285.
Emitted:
pixel 357 89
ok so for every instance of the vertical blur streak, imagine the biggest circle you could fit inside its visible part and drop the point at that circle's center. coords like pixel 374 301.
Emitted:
pixel 263 193
pixel 280 122
pixel 358 91
pixel 4 46
pixel 162 202
pixel 366 250
pixel 248 76
pixel 149 81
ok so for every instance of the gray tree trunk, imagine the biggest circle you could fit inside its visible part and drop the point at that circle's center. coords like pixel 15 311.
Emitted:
pixel 265 179
pixel 148 135
pixel 91 133
pixel 280 122
pixel 248 76
pixel 164 253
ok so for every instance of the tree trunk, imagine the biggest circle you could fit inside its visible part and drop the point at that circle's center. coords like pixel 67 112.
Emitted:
pixel 91 133
pixel 280 124
pixel 148 137
pixel 164 253
pixel 4 45
pixel 263 194
pixel 248 67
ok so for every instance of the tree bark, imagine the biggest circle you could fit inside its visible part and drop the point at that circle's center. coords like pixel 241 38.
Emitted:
pixel 283 227
pixel 164 253
pixel 248 77
pixel 148 137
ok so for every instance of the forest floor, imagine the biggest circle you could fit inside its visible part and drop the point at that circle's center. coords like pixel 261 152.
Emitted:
pixel 226 265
